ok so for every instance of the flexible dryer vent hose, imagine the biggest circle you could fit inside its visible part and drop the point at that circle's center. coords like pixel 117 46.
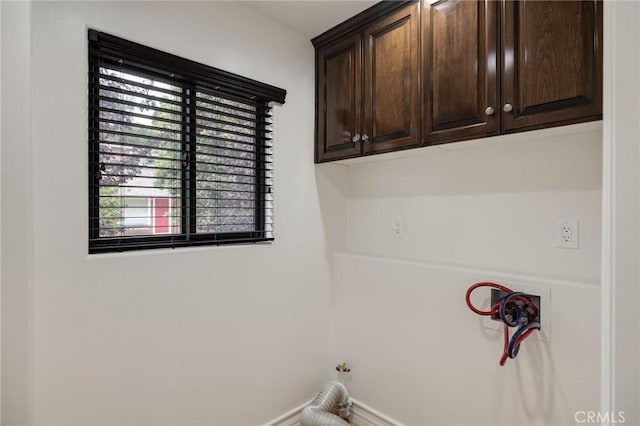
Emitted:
pixel 329 408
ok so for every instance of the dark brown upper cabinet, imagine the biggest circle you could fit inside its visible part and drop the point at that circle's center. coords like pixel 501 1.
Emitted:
pixel 548 71
pixel 552 69
pixel 405 74
pixel 460 40
pixel 391 82
pixel 339 99
pixel 368 85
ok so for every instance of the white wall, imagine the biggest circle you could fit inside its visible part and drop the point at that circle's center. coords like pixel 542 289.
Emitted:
pixel 485 212
pixel 230 335
pixel 621 225
pixel 0 219
pixel 16 214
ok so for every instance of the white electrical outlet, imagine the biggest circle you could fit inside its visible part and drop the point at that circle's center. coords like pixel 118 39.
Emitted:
pixel 567 234
pixel 397 228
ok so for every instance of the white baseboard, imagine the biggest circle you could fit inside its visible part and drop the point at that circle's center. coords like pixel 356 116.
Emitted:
pixel 291 418
pixel 361 415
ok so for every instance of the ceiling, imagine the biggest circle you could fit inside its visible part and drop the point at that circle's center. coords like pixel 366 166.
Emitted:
pixel 309 17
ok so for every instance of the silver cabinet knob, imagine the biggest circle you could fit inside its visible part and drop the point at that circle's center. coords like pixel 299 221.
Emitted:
pixel 507 108
pixel 365 138
pixel 489 111
pixel 355 138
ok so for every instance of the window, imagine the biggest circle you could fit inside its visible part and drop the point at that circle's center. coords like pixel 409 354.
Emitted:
pixel 179 152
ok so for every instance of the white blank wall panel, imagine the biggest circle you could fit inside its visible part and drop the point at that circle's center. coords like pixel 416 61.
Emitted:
pixel 421 357
pixel 513 232
pixel 472 211
pixel 492 207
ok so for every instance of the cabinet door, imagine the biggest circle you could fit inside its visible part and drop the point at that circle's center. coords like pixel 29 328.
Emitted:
pixel 339 99
pixel 460 70
pixel 552 63
pixel 391 82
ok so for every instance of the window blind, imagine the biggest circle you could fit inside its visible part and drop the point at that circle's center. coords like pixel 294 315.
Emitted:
pixel 179 153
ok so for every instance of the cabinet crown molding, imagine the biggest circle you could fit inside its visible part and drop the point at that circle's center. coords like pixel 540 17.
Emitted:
pixel 357 22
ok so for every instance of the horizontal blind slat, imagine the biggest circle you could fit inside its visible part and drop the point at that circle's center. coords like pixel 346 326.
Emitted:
pixel 132 94
pixel 177 91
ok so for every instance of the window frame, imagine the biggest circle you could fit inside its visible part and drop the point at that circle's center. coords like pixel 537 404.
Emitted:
pixel 190 76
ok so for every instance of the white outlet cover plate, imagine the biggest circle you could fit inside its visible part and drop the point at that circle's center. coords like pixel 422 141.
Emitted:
pixel 544 334
pixel 573 225
pixel 398 228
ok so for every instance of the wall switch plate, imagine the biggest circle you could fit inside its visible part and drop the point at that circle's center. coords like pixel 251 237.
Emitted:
pixel 397 228
pixel 567 234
